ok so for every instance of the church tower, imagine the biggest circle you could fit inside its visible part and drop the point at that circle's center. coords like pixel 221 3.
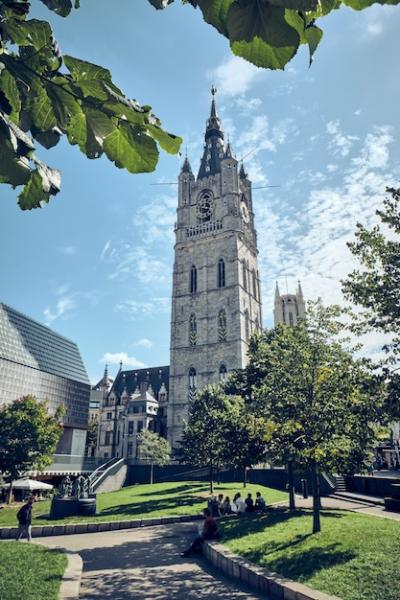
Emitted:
pixel 289 308
pixel 216 303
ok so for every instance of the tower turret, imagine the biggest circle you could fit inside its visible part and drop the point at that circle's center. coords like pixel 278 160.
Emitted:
pixel 213 143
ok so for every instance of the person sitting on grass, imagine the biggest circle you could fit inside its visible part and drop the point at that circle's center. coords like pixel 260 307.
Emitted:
pixel 260 503
pixel 227 506
pixel 249 504
pixel 209 532
pixel 239 503
pixel 24 516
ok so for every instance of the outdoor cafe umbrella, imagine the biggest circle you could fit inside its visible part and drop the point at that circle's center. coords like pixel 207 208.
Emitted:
pixel 29 484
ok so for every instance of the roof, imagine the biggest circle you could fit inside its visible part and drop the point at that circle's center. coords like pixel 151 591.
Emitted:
pixel 29 343
pixel 154 376
pixel 210 163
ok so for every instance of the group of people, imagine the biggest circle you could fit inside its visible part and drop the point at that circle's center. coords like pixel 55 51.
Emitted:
pixel 220 506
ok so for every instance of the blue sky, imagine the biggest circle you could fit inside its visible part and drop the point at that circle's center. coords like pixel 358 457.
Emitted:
pixel 96 263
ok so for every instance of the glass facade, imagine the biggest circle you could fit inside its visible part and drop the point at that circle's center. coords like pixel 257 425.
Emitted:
pixel 36 360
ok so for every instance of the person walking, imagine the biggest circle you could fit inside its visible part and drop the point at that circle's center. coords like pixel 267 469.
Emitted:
pixel 24 516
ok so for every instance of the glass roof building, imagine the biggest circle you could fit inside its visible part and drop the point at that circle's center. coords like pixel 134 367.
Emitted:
pixel 38 361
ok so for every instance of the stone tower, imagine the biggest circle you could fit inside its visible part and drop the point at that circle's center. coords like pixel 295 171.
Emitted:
pixel 216 303
pixel 288 308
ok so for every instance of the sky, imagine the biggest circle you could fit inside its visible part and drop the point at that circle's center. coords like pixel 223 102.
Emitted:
pixel 96 263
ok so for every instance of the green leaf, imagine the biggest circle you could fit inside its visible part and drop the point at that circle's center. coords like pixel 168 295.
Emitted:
pixel 40 107
pixel 129 147
pixel 44 182
pixel 8 86
pixel 81 70
pixel 215 12
pixel 299 5
pixel 160 4
pixel 28 33
pixel 313 36
pixel 168 142
pixel 260 34
pixel 361 4
pixel 60 7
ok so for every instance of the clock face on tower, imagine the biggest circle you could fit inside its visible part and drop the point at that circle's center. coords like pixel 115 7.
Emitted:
pixel 205 206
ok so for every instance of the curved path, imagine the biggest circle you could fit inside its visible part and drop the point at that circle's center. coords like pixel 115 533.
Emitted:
pixel 146 564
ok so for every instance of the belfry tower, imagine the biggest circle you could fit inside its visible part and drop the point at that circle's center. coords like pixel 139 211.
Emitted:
pixel 216 303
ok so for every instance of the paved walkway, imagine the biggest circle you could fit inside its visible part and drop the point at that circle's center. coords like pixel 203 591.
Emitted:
pixel 359 507
pixel 146 564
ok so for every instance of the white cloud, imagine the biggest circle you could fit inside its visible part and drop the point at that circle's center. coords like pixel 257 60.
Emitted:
pixel 114 358
pixel 309 242
pixel 156 219
pixel 105 249
pixel 375 28
pixel 340 144
pixel 139 263
pixel 145 343
pixel 136 309
pixel 63 306
pixel 68 250
pixel 234 76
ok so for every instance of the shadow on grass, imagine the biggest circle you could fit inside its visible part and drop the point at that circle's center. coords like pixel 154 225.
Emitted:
pixel 304 563
pixel 153 506
pixel 176 490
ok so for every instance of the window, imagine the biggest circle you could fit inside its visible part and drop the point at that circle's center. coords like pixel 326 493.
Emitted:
pixel 291 322
pixel 108 438
pixel 109 416
pixel 246 325
pixel 222 373
pixel 139 426
pixel 130 448
pixel 221 273
pixel 254 284
pixel 192 383
pixel 192 330
pixel 222 331
pixel 257 324
pixel 193 280
pixel 244 276
pixel 130 427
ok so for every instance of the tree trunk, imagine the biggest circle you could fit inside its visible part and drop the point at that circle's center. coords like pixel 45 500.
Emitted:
pixel 292 502
pixel 151 473
pixel 10 493
pixel 211 480
pixel 244 477
pixel 316 500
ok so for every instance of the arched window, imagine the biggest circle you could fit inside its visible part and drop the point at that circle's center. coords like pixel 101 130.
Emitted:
pixel 222 331
pixel 257 324
pixel 222 373
pixel 246 325
pixel 192 383
pixel 193 280
pixel 192 330
pixel 291 322
pixel 221 273
pixel 254 284
pixel 258 285
pixel 244 276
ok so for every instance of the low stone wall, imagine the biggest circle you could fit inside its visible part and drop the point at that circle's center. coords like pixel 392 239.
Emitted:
pixel 10 533
pixel 372 485
pixel 271 584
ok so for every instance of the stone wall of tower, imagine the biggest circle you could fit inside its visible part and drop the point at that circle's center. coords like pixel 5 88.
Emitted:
pixel 289 308
pixel 226 234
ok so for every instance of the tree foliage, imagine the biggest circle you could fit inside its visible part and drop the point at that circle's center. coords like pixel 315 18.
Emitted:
pixel 375 287
pixel 154 448
pixel 268 33
pixel 319 403
pixel 45 96
pixel 28 436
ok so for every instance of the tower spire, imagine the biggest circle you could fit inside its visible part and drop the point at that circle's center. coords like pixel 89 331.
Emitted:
pixel 213 142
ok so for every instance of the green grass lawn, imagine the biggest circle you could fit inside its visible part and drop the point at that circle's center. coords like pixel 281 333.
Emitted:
pixel 355 557
pixel 159 499
pixel 30 571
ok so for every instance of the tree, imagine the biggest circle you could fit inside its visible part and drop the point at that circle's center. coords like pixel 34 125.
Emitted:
pixel 28 436
pixel 268 33
pixel 211 415
pixel 44 96
pixel 41 102
pixel 244 440
pixel 154 448
pixel 320 404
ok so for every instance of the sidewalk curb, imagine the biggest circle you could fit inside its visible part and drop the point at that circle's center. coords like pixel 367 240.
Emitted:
pixel 10 533
pixel 265 582
pixel 71 581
